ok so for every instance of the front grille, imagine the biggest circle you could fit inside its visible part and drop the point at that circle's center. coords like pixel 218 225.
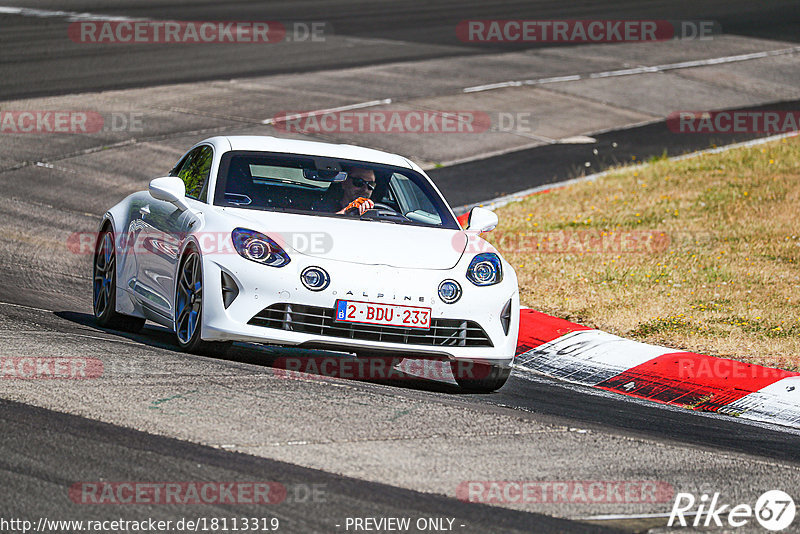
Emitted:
pixel 320 321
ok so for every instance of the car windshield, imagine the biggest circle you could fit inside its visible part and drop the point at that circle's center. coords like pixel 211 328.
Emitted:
pixel 301 184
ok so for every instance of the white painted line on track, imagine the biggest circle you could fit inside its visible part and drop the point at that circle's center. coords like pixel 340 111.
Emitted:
pixel 72 16
pixel 75 334
pixel 12 305
pixel 636 70
pixel 62 333
pixel 558 79
pixel 315 113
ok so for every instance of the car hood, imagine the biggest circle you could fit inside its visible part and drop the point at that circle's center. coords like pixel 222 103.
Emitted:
pixel 352 240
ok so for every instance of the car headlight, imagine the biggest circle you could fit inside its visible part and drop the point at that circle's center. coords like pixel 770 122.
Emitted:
pixel 485 269
pixel 315 278
pixel 259 248
pixel 449 291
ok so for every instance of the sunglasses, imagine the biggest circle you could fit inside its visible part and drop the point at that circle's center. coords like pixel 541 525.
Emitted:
pixel 360 183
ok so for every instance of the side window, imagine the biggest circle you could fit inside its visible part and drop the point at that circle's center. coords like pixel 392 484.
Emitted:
pixel 194 171
pixel 413 201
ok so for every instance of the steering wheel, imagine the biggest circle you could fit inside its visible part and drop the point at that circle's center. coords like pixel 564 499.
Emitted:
pixel 379 209
pixel 379 206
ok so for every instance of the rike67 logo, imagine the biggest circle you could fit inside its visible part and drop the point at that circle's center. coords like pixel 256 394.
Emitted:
pixel 774 510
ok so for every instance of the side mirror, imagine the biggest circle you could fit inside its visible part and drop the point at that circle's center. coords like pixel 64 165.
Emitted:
pixel 482 220
pixel 170 189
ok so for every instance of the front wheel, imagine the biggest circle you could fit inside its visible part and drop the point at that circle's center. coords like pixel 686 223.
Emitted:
pixel 479 377
pixel 189 307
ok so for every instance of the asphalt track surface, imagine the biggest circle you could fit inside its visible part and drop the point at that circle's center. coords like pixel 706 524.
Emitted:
pixel 45 451
pixel 82 449
pixel 551 164
pixel 413 29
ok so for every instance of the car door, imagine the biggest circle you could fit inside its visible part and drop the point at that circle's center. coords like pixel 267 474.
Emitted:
pixel 166 226
pixel 131 242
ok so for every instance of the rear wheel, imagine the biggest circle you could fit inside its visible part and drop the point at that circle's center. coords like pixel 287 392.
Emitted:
pixel 189 308
pixel 479 377
pixel 104 290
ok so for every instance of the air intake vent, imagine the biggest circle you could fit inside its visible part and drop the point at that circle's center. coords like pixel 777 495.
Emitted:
pixel 320 321
pixel 229 289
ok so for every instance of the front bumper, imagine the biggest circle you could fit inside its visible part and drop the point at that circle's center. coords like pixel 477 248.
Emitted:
pixel 261 287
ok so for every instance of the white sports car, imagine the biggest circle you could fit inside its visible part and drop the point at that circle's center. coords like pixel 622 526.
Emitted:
pixel 254 239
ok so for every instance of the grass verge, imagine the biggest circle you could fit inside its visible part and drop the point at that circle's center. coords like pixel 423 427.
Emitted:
pixel 701 254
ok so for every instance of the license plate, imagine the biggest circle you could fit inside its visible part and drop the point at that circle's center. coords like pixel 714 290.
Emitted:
pixel 351 311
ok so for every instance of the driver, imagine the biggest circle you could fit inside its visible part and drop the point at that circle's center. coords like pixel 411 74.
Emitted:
pixel 357 190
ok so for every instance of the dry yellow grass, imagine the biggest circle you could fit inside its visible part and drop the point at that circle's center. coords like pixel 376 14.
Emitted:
pixel 701 254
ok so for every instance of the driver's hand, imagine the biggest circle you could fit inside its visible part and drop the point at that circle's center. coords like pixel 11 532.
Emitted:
pixel 361 204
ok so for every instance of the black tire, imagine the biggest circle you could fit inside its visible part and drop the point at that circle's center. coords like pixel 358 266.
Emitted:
pixel 189 308
pixel 104 287
pixel 479 377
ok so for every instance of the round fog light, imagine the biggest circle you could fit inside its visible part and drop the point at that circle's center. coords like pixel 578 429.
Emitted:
pixel 449 291
pixel 315 278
